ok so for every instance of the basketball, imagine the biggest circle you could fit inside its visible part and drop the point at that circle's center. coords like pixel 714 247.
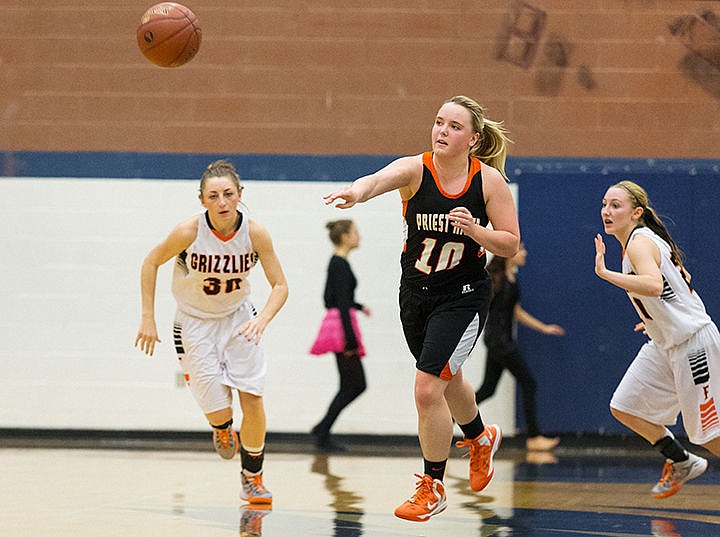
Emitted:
pixel 169 34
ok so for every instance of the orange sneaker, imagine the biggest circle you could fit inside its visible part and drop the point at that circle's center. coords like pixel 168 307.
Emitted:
pixel 676 474
pixel 225 442
pixel 428 500
pixel 482 450
pixel 253 491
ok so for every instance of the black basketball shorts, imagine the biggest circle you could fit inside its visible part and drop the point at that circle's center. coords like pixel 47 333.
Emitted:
pixel 441 329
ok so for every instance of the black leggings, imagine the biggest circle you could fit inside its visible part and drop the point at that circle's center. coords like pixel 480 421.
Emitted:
pixel 509 357
pixel 352 384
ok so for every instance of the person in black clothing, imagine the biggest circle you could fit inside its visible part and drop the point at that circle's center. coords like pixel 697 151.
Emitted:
pixel 502 348
pixel 340 293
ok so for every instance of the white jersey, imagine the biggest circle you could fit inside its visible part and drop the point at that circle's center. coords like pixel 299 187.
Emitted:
pixel 678 312
pixel 210 276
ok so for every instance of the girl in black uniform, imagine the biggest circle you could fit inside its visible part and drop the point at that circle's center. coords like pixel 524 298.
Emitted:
pixel 502 349
pixel 449 196
pixel 340 295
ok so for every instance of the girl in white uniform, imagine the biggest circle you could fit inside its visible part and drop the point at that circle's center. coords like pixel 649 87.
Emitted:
pixel 678 370
pixel 217 330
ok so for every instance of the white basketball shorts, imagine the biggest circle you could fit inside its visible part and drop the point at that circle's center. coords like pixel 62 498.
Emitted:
pixel 216 359
pixel 661 383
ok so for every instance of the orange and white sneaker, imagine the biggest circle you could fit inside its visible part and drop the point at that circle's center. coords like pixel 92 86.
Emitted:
pixel 225 442
pixel 482 450
pixel 676 474
pixel 428 500
pixel 253 491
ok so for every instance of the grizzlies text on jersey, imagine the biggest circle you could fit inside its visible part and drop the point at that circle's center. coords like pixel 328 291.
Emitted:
pixel 210 276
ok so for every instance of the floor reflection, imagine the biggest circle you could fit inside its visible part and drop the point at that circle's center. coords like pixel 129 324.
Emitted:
pixel 345 503
pixel 251 519
pixel 663 528
pixel 78 493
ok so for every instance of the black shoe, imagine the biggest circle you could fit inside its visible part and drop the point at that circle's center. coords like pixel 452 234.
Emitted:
pixel 323 441
pixel 318 435
pixel 329 446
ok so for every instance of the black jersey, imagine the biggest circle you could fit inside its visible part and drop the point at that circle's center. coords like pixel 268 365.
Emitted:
pixel 437 255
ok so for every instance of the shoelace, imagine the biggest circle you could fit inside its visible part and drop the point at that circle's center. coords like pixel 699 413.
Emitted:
pixel 256 484
pixel 223 437
pixel 477 462
pixel 667 473
pixel 423 490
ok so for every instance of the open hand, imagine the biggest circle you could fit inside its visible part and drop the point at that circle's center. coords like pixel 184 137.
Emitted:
pixel 346 194
pixel 147 336
pixel 600 267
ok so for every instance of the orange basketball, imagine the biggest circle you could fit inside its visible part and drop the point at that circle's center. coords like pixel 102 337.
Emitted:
pixel 169 34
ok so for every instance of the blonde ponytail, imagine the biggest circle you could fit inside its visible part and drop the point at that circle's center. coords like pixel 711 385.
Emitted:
pixel 491 147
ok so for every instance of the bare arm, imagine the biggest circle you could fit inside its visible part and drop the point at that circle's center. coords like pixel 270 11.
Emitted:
pixel 262 244
pixel 645 258
pixel 178 240
pixel 403 174
pixel 504 237
pixel 524 318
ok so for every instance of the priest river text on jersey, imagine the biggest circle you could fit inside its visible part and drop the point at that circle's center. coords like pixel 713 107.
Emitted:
pixel 438 222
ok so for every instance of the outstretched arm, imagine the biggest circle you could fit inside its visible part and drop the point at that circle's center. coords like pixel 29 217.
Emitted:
pixel 523 317
pixel 400 174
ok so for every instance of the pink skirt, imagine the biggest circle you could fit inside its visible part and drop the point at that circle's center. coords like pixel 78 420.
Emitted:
pixel 331 336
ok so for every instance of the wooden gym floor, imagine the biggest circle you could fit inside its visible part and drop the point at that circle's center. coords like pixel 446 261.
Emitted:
pixel 61 492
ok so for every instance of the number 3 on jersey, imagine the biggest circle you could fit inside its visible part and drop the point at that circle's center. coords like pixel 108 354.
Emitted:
pixel 213 286
pixel 450 256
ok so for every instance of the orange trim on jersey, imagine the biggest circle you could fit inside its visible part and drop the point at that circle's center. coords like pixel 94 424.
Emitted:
pixel 446 374
pixel 475 167
pixel 222 237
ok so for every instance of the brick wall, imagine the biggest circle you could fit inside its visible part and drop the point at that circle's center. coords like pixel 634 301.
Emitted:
pixel 609 78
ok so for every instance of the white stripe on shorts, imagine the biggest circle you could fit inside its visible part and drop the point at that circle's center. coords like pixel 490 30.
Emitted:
pixel 465 345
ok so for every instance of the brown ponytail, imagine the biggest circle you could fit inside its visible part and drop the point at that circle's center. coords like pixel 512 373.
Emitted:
pixel 338 228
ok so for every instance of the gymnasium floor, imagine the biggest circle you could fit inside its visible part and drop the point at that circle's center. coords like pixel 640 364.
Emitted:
pixel 77 492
